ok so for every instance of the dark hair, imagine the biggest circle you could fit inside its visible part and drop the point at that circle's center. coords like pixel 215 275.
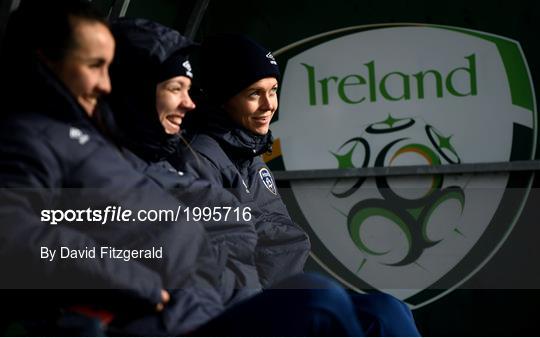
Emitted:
pixel 38 29
pixel 47 26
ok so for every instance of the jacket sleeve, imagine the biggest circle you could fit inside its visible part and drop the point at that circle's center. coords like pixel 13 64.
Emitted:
pixel 30 178
pixel 228 223
pixel 282 247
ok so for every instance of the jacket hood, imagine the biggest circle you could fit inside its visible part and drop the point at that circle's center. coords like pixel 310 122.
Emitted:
pixel 143 47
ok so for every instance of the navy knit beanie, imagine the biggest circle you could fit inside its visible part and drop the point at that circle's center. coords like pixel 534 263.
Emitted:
pixel 230 63
pixel 147 47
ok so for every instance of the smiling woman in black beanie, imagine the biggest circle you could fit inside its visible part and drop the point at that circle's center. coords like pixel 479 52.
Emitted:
pixel 230 131
pixel 150 59
pixel 240 80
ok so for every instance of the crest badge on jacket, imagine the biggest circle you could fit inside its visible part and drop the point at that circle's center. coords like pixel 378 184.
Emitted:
pixel 267 179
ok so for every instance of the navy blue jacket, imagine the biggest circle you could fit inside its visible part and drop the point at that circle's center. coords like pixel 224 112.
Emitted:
pixel 52 156
pixel 229 156
pixel 228 224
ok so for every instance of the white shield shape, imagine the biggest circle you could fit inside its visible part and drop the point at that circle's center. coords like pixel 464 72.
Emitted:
pixel 389 95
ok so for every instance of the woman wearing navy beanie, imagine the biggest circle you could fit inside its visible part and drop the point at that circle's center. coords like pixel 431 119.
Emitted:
pixel 230 131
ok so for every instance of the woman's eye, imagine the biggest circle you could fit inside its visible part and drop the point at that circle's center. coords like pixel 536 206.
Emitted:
pixel 96 64
pixel 174 89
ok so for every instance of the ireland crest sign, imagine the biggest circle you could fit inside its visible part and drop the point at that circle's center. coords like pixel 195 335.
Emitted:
pixel 397 95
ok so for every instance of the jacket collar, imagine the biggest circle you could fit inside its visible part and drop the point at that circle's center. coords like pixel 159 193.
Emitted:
pixel 49 97
pixel 136 125
pixel 237 140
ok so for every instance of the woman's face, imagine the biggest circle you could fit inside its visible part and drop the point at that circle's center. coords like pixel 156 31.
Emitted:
pixel 254 106
pixel 85 67
pixel 173 102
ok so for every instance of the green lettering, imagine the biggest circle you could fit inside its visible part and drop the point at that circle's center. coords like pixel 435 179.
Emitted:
pixel 471 71
pixel 311 84
pixel 372 81
pixel 420 82
pixel 324 88
pixel 357 80
pixel 405 85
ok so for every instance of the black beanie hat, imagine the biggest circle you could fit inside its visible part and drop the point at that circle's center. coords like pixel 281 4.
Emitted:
pixel 147 47
pixel 175 65
pixel 230 63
